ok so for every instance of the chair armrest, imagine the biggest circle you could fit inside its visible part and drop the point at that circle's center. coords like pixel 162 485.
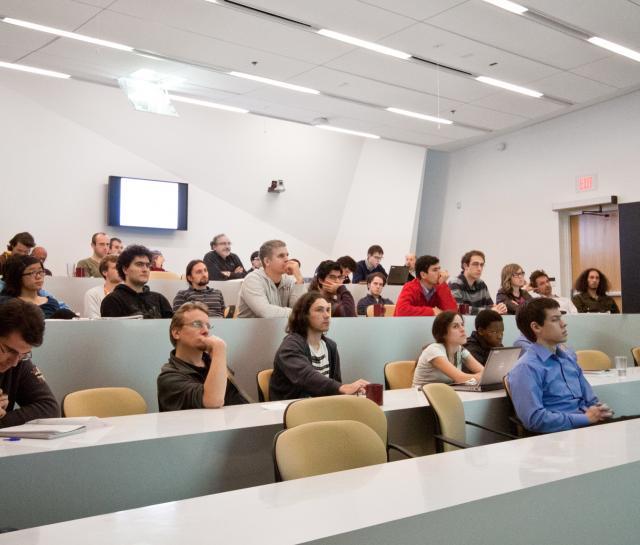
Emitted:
pixel 401 450
pixel 497 432
pixel 453 442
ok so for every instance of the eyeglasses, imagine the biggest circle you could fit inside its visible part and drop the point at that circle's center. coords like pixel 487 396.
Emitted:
pixel 35 274
pixel 519 274
pixel 378 257
pixel 142 264
pixel 198 324
pixel 8 350
pixel 336 277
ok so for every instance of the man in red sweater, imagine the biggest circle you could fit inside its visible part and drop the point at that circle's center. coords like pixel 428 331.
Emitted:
pixel 428 294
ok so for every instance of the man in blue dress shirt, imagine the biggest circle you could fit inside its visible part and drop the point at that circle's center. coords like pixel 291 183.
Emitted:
pixel 548 388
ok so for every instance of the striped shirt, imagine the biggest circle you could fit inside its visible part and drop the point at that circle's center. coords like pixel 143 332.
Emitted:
pixel 476 296
pixel 209 296
pixel 320 359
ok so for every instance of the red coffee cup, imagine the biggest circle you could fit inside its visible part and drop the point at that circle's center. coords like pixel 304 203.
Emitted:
pixel 378 310
pixel 79 272
pixel 463 308
pixel 374 393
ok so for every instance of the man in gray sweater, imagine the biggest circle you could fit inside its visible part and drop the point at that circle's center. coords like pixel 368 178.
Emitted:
pixel 272 291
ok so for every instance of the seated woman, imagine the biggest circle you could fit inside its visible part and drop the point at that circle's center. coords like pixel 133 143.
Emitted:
pixel 24 278
pixel 328 281
pixel 442 361
pixel 488 335
pixel 512 292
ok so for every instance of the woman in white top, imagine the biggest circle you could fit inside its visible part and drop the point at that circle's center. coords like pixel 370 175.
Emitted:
pixel 442 361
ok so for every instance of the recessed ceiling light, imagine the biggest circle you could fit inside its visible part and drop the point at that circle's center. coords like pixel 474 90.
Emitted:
pixel 275 83
pixel 424 117
pixel 347 131
pixel 65 34
pixel 207 104
pixel 33 70
pixel 509 6
pixel 616 48
pixel 363 43
pixel 509 86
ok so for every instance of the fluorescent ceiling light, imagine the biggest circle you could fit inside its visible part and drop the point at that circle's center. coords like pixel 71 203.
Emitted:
pixel 33 70
pixel 611 46
pixel 206 103
pixel 65 34
pixel 347 131
pixel 509 6
pixel 275 82
pixel 509 86
pixel 424 117
pixel 363 43
pixel 147 96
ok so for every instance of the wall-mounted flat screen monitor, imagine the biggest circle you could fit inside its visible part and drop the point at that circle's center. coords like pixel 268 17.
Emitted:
pixel 154 204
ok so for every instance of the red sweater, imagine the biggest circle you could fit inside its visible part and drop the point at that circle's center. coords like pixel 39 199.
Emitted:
pixel 412 302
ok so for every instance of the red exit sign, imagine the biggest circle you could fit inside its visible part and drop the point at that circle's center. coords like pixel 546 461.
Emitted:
pixel 585 183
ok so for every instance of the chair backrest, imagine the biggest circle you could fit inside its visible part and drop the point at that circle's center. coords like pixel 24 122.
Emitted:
pixel 264 378
pixel 163 275
pixel 593 360
pixel 317 448
pixel 339 407
pixel 635 352
pixel 399 374
pixel 449 412
pixel 103 402
pixel 389 310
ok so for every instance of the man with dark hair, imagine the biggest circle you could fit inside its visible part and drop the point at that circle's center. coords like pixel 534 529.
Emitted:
pixel 255 261
pixel 20 244
pixel 21 383
pixel 541 284
pixel 593 286
pixel 487 336
pixel 307 363
pixel 347 267
pixel 548 388
pixel 370 265
pixel 91 265
pixel 220 262
pixel 328 281
pixel 469 289
pixel 375 283
pixel 428 294
pixel 115 246
pixel 93 297
pixel 197 276
pixel 133 297
pixel 272 291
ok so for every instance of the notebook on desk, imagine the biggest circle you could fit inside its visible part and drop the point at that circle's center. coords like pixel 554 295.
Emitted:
pixel 499 363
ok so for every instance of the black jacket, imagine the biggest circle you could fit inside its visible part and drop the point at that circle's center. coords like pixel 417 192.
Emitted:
pixel 478 347
pixel 293 374
pixel 216 264
pixel 123 301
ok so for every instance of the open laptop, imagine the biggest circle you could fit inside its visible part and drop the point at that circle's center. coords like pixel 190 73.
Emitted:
pixel 499 363
pixel 398 275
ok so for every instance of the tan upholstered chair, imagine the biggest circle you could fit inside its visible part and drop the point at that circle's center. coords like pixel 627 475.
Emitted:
pixel 163 275
pixel 449 414
pixel 389 310
pixel 635 352
pixel 593 360
pixel 399 374
pixel 103 402
pixel 341 407
pixel 317 448
pixel 264 379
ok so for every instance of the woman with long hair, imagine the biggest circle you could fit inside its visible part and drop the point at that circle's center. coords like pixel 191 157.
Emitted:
pixel 512 292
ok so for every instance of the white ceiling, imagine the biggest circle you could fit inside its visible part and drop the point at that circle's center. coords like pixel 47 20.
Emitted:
pixel 205 40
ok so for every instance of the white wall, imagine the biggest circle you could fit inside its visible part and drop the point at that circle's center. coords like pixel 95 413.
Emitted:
pixel 62 139
pixel 506 196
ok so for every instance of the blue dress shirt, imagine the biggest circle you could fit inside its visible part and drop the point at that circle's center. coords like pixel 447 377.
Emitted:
pixel 522 343
pixel 549 390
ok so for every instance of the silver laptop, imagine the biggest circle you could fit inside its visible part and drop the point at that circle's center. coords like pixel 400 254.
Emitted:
pixel 499 363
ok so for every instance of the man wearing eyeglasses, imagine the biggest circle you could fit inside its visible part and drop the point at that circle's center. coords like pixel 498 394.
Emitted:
pixel 196 375
pixel 221 263
pixel 469 289
pixel 133 297
pixel 21 383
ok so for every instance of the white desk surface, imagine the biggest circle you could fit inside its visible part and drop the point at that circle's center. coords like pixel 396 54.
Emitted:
pixel 288 512
pixel 180 423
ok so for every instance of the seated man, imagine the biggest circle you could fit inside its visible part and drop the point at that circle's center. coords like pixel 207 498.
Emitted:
pixel 221 263
pixel 93 297
pixel 410 263
pixel 41 253
pixel 197 276
pixel 548 388
pixel 428 294
pixel 270 292
pixel 375 283
pixel 347 267
pixel 328 281
pixel 21 383
pixel 133 297
pixel 91 265
pixel 196 375
pixel 307 363
pixel 541 285
pixel 488 335
pixel 115 246
pixel 20 244
pixel 255 261
pixel 468 288
pixel 370 265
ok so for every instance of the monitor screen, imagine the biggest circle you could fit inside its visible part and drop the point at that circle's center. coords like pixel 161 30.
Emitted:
pixel 155 204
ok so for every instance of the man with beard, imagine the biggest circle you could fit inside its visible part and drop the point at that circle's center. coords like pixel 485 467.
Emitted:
pixel 197 276
pixel 221 263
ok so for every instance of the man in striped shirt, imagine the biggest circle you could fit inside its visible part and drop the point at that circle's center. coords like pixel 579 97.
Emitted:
pixel 198 277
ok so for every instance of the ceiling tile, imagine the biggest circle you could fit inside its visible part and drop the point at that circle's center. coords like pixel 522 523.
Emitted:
pixel 65 14
pixel 485 117
pixel 416 9
pixel 16 42
pixel 615 70
pixel 572 87
pixel 513 103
